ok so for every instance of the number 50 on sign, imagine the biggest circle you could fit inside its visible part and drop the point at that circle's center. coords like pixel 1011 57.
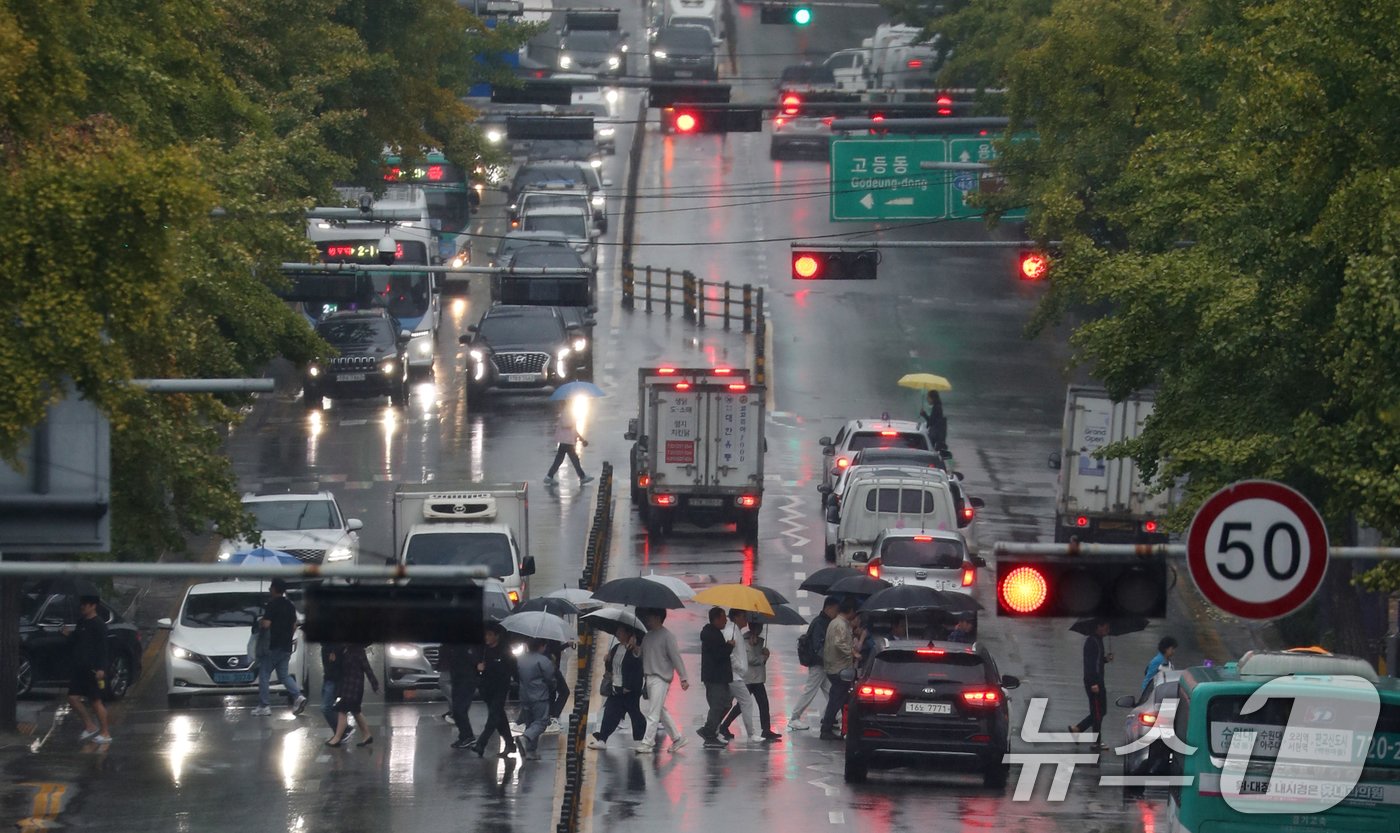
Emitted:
pixel 1257 549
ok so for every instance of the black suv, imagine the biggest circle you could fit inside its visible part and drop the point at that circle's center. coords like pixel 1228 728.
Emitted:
pixel 46 607
pixel 515 346
pixel 373 358
pixel 938 704
pixel 683 52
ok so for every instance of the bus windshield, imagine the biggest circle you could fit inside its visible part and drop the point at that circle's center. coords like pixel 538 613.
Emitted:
pixel 405 294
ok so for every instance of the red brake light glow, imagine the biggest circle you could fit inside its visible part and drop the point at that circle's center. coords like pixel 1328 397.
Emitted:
pixel 889 433
pixel 914 63
pixel 969 513
pixel 1149 526
pixel 931 652
pixel 945 105
pixel 666 371
pixel 875 693
pixel 873 569
pixel 969 575
pixel 791 103
pixel 748 500
pixel 514 596
pixel 1148 718
pixel 664 500
pixel 923 539
pixel 739 388
pixel 723 371
pixel 644 480
pixel 1024 590
pixel 682 386
pixel 982 697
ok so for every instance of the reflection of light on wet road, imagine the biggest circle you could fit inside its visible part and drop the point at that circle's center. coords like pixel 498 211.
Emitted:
pixel 457 309
pixel 427 398
pixel 403 748
pixel 182 732
pixel 391 424
pixel 291 760
pixel 314 426
pixel 579 408
pixel 477 448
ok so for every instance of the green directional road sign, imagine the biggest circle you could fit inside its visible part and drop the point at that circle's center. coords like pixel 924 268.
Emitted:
pixel 962 184
pixel 877 178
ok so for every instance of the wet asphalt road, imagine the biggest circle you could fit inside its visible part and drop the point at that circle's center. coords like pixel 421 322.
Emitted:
pixel 836 351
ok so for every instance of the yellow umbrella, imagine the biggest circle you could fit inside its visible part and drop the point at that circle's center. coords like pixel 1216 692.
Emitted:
pixel 924 381
pixel 738 596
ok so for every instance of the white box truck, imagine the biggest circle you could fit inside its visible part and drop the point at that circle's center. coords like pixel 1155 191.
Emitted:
pixel 1099 499
pixel 640 465
pixel 704 454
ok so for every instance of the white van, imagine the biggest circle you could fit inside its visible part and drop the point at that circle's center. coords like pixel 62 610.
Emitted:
pixel 878 502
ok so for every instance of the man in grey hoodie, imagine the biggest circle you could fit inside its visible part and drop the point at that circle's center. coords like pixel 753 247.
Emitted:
pixel 661 662
pixel 536 673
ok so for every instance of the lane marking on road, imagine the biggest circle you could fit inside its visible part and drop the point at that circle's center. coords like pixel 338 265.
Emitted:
pixel 836 817
pixel 825 787
pixel 48 801
pixel 799 575
pixel 797 559
pixel 792 518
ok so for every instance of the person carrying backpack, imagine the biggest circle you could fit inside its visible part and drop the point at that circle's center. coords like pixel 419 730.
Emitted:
pixel 809 654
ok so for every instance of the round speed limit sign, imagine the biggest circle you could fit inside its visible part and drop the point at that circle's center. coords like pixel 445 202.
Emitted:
pixel 1257 549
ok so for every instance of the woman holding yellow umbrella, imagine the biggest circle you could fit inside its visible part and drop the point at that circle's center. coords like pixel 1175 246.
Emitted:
pixel 934 421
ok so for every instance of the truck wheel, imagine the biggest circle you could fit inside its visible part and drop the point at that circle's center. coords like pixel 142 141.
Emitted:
pixel 831 553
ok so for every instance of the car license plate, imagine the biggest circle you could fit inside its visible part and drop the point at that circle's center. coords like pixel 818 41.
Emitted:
pixel 233 677
pixel 929 708
pixel 947 585
pixel 350 377
pixel 520 377
pixel 706 501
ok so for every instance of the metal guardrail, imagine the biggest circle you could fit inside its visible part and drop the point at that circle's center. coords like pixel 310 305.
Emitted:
pixel 594 569
pixel 696 298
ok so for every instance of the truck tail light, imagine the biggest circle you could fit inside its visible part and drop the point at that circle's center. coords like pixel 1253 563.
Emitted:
pixel 969 574
pixel 873 568
pixel 682 386
pixel 982 697
pixel 664 500
pixel 723 371
pixel 739 387
pixel 514 596
pixel 643 481
pixel 747 501
pixel 665 371
pixel 874 693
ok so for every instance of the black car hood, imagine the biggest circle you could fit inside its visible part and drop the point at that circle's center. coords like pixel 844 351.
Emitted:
pixel 376 350
pixel 543 343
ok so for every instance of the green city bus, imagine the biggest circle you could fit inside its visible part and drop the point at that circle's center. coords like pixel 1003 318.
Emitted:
pixel 1286 770
pixel 450 198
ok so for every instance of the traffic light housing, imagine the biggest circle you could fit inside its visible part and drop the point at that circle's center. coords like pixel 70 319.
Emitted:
pixel 1033 266
pixel 786 14
pixel 417 612
pixel 1082 586
pixel 835 265
pixel 685 118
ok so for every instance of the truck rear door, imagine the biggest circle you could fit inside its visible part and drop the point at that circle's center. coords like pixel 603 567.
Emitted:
pixel 735 434
pixel 676 459
pixel 1086 476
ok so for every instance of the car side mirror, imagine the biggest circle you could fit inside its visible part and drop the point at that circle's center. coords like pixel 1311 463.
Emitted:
pixel 826 441
pixel 594 234
pixel 977 502
pixel 354 524
pixel 165 623
pixel 527 567
pixel 1054 461
pixel 861 556
pixel 825 489
pixel 1008 681
pixel 405 336
pixel 1127 701
pixel 466 338
pixel 590 322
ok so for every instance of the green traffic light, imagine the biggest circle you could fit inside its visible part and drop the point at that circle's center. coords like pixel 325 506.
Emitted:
pixel 802 16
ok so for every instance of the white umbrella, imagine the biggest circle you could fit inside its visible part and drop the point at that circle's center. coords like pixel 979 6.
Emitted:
pixel 609 618
pixel 580 598
pixel 677 586
pixel 536 624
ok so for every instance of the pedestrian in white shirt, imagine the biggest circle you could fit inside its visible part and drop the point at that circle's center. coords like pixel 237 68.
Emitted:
pixel 661 662
pixel 566 435
pixel 739 661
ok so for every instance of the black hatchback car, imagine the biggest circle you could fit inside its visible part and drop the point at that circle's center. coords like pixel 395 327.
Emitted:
pixel 930 704
pixel 45 658
pixel 683 52
pixel 373 359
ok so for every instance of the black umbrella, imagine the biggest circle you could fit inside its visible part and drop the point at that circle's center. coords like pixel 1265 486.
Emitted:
pixel 1116 627
pixel 821 580
pixel 782 615
pixel 903 597
pixel 774 597
pixel 550 604
pixel 640 592
pixel 858 585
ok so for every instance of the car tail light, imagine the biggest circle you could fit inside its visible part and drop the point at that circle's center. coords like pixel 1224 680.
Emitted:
pixel 1149 526
pixel 969 574
pixel 1081 521
pixel 682 386
pixel 739 387
pixel 924 539
pixel 514 596
pixel 643 481
pixel 931 652
pixel 842 462
pixel 872 733
pixel 779 121
pixel 873 568
pixel 747 501
pixel 889 433
pixel 515 224
pixel 666 371
pixel 664 500
pixel 874 693
pixel 969 512
pixel 980 739
pixel 913 63
pixel 1148 718
pixel 982 697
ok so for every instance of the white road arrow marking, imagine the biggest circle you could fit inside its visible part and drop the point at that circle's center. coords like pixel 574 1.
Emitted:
pixel 868 201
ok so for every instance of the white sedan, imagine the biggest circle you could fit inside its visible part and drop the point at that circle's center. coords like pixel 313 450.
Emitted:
pixel 207 652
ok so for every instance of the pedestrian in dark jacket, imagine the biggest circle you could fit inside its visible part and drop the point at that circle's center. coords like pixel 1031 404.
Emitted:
pixel 350 692
pixel 1095 657
pixel 816 674
pixel 87 642
pixel 623 678
pixel 459 661
pixel 716 673
pixel 935 422
pixel 561 689
pixel 497 668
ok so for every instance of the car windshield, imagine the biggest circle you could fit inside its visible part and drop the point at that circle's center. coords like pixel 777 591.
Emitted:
pixel 405 295
pixel 517 329
pixel 573 225
pixel 922 552
pixel 515 244
pixel 900 457
pixel 360 332
pixel 288 515
pixel 880 439
pixel 222 610
pixel 553 173
pixel 591 41
pixel 900 666
pixel 544 199
pixel 706 23
pixel 685 39
pixel 490 549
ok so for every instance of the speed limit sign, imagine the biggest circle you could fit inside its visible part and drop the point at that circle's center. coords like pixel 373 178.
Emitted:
pixel 1257 549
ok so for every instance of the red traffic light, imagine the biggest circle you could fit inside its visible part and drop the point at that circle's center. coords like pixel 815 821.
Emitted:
pixel 1023 590
pixel 685 121
pixel 945 105
pixel 791 103
pixel 835 265
pixel 1034 265
pixel 878 131
pixel 806 266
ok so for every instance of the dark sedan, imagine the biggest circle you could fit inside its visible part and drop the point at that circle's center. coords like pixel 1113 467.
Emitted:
pixel 45 659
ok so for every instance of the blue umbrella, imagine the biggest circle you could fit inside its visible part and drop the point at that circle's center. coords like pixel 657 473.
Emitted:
pixel 264 557
pixel 572 389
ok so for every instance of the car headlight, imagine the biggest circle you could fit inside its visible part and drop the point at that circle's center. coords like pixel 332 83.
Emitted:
pixel 424 346
pixel 611 95
pixel 476 355
pixel 659 55
pixel 561 357
pixel 518 649
pixel 565 61
pixel 614 61
pixel 624 49
pixel 404 651
pixel 598 200
pixel 580 344
pixel 313 371
pixel 339 552
pixel 388 367
pixel 607 132
pixel 459 260
pixel 595 163
pixel 494 136
pixel 181 653
pixel 226 551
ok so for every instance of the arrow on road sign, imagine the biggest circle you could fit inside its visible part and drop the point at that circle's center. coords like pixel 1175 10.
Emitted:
pixel 900 201
pixel 868 201
pixel 965 157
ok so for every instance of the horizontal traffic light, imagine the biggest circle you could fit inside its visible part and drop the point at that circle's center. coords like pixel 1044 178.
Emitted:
pixel 1082 586
pixel 700 119
pixel 829 265
pixel 786 14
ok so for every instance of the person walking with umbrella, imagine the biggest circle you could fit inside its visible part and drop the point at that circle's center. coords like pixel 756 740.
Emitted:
pixel 1095 657
pixel 755 680
pixel 622 686
pixel 497 669
pixel 839 660
pixel 459 660
pixel 934 420
pixel 716 672
pixel 816 675
pixel 739 690
pixel 536 671
pixel 279 619
pixel 350 693
pixel 661 662
pixel 88 642
pixel 567 437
